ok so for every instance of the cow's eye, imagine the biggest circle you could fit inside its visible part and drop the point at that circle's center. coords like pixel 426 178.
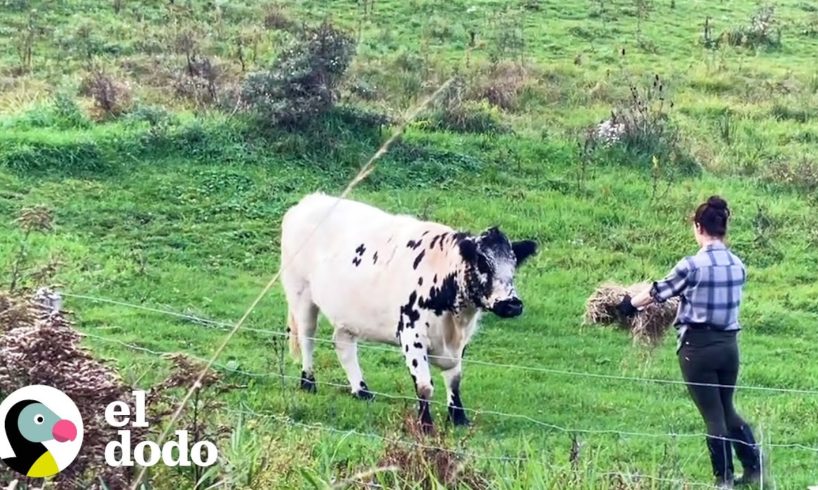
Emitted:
pixel 39 419
pixel 483 265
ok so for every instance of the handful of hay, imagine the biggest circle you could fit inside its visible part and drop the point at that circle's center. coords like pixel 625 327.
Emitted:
pixel 648 326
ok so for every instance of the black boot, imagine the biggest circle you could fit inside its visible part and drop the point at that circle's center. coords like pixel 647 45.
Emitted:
pixel 721 457
pixel 748 453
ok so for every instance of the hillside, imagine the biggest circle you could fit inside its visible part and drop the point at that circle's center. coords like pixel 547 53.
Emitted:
pixel 131 122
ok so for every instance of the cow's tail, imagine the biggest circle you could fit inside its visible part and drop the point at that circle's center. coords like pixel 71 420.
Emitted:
pixel 295 348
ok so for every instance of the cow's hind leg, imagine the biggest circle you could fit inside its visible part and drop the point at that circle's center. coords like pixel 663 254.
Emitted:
pixel 346 346
pixel 303 322
pixel 457 414
pixel 414 345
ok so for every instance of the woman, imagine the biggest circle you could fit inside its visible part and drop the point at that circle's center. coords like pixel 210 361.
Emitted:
pixel 710 285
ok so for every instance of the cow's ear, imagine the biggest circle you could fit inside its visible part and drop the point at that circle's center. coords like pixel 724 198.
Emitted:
pixel 468 250
pixel 523 250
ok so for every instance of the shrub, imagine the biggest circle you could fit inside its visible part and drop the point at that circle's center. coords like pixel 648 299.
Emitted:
pixel 502 84
pixel 68 113
pixel 275 17
pixel 111 96
pixel 506 34
pixel 303 82
pixel 641 125
pixel 61 112
pixel 454 111
pixel 801 176
pixel 763 31
pixel 200 81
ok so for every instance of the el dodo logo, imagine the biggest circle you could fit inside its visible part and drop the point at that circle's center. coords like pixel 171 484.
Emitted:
pixel 40 431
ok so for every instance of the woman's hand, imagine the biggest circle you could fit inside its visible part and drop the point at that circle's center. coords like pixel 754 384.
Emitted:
pixel 625 307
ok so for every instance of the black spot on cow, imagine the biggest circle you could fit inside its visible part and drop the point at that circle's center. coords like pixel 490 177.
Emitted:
pixel 442 298
pixel 417 336
pixel 413 244
pixel 420 281
pixel 425 233
pixel 407 347
pixel 410 312
pixel 424 358
pixel 434 279
pixel 416 345
pixel 418 259
pixel 443 238
pixel 359 252
pixel 414 363
pixel 375 258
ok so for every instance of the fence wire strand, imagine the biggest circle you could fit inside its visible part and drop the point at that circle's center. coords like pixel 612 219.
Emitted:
pixel 222 325
pixel 477 412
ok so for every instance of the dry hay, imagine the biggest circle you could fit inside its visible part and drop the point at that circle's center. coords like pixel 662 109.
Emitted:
pixel 39 346
pixel 648 326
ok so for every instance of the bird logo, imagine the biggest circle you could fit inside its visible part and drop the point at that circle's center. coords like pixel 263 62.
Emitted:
pixel 40 431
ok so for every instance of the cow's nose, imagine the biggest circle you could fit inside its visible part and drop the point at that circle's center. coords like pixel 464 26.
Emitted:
pixel 508 308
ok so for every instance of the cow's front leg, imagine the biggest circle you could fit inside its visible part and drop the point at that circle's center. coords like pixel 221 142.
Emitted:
pixel 457 414
pixel 414 344
pixel 346 346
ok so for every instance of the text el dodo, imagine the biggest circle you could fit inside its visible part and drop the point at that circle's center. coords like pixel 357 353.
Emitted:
pixel 148 453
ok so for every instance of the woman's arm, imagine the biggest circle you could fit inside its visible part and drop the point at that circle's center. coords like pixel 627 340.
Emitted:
pixel 673 284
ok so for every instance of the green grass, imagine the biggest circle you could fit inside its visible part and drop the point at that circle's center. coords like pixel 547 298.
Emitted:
pixel 186 218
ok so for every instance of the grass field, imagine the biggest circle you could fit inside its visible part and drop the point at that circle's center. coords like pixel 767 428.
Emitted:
pixel 183 215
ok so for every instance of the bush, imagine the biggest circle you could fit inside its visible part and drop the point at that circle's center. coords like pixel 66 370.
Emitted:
pixel 454 111
pixel 641 125
pixel 276 18
pixel 502 84
pixel 801 176
pixel 763 31
pixel 61 112
pixel 200 81
pixel 303 82
pixel 111 97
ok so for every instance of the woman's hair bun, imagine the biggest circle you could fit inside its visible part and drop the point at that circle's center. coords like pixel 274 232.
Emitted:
pixel 717 203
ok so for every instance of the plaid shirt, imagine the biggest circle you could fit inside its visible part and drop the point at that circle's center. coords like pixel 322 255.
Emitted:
pixel 709 285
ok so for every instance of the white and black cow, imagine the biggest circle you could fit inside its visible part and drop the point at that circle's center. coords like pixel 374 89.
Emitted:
pixel 393 279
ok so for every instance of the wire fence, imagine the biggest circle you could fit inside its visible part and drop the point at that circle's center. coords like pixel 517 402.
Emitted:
pixel 221 325
pixel 246 411
pixel 627 476
pixel 476 412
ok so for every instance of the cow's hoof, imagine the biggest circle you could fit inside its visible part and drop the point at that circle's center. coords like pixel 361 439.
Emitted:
pixel 308 383
pixel 458 417
pixel 364 394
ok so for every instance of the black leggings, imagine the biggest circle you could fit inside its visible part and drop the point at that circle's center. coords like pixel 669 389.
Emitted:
pixel 712 357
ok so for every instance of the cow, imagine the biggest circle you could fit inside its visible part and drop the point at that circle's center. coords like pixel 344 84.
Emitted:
pixel 393 279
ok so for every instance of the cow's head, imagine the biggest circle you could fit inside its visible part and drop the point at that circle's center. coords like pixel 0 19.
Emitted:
pixel 491 261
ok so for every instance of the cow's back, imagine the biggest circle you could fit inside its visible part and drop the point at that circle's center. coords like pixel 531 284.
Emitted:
pixel 356 260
